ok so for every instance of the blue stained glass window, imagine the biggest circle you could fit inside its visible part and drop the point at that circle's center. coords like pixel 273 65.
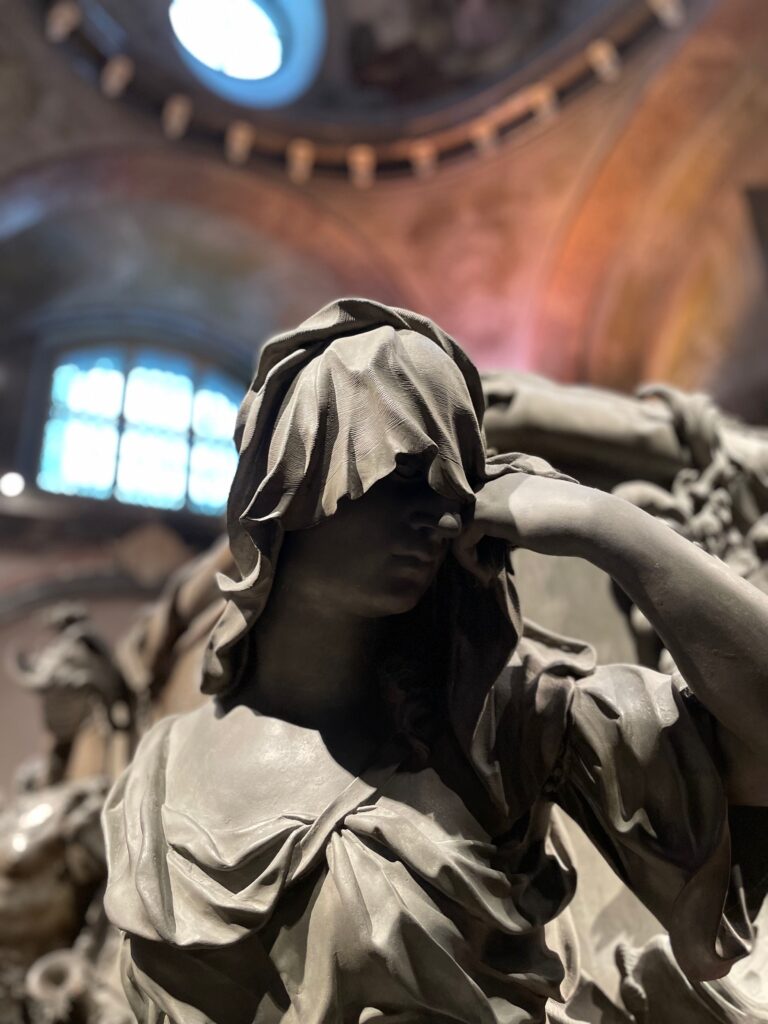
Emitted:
pixel 143 426
pixel 217 400
pixel 159 392
pixel 78 457
pixel 211 468
pixel 153 468
pixel 91 384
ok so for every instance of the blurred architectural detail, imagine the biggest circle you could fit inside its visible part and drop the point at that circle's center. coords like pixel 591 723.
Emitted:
pixel 605 60
pixel 423 159
pixel 239 142
pixel 369 74
pixel 177 115
pixel 116 76
pixel 62 19
pixel 671 13
pixel 484 136
pixel 362 166
pixel 300 155
pixel 544 101
pixel 758 204
pixel 606 227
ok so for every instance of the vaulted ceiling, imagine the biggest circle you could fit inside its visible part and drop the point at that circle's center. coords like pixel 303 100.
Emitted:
pixel 611 235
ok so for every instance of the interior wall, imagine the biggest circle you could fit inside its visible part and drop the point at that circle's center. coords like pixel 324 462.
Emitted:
pixel 599 246
pixel 615 245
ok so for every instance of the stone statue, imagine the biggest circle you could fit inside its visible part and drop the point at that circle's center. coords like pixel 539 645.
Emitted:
pixel 52 872
pixel 56 946
pixel 78 679
pixel 675 455
pixel 357 826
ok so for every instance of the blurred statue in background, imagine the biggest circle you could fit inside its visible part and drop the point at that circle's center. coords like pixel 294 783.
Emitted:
pixel 56 947
pixel 78 681
pixel 675 455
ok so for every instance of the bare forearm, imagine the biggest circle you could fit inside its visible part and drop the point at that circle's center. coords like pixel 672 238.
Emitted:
pixel 714 623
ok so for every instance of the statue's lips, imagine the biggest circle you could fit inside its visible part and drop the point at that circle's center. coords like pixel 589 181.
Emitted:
pixel 416 556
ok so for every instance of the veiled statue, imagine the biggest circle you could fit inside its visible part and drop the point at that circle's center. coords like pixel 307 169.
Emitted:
pixel 357 825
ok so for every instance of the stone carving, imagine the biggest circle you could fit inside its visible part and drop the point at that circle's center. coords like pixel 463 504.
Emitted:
pixel 720 499
pixel 57 950
pixel 158 655
pixel 77 679
pixel 358 825
pixel 706 477
pixel 675 455
pixel 52 872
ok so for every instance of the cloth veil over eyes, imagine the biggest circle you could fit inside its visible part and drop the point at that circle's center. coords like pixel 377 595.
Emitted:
pixel 332 406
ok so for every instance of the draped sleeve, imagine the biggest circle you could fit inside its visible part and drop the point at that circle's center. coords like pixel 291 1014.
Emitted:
pixel 638 772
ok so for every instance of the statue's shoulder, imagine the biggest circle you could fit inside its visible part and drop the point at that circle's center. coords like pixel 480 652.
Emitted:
pixel 226 768
pixel 160 746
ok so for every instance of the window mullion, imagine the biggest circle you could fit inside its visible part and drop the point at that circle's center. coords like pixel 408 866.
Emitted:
pixel 127 459
pixel 129 361
pixel 196 380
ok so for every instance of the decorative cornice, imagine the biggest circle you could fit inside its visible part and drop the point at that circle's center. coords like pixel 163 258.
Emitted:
pixel 549 84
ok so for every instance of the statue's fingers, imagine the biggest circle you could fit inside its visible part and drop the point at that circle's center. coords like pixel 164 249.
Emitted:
pixel 466 553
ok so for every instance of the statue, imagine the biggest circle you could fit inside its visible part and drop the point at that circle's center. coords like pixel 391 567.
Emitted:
pixel 77 679
pixel 56 946
pixel 675 455
pixel 357 826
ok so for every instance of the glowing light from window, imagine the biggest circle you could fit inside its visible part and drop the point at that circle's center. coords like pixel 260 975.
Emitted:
pixel 159 395
pixel 211 468
pixel 95 390
pixel 147 427
pixel 235 37
pixel 11 485
pixel 78 457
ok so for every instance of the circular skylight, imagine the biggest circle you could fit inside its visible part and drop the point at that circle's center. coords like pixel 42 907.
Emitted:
pixel 256 53
pixel 236 38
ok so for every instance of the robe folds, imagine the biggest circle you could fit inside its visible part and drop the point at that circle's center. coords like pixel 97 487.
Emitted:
pixel 257 880
pixel 402 895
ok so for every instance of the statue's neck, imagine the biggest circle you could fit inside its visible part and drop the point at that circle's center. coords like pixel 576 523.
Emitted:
pixel 313 665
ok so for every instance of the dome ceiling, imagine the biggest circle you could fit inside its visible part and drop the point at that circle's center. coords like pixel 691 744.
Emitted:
pixel 357 86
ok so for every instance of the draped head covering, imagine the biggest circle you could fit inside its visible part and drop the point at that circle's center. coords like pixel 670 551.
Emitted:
pixel 333 405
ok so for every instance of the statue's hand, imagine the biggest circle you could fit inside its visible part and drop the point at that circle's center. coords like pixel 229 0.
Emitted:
pixel 553 517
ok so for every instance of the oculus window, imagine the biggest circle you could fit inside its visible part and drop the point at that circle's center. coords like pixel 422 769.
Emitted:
pixel 256 53
pixel 140 425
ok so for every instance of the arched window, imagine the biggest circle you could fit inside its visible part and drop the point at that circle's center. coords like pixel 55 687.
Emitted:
pixel 141 425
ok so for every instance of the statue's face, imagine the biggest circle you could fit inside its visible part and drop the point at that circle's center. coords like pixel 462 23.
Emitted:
pixel 377 555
